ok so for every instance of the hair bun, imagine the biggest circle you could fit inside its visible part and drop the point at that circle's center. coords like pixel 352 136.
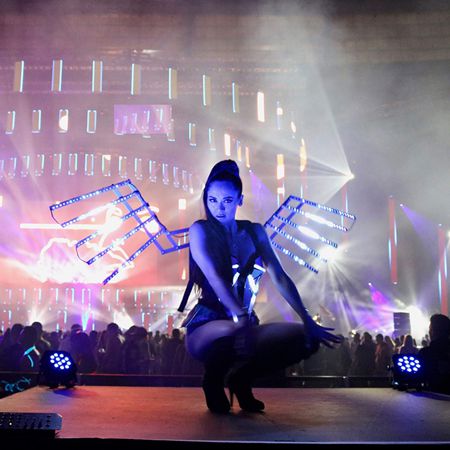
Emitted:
pixel 227 165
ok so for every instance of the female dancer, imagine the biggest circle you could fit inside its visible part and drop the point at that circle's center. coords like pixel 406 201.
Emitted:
pixel 227 257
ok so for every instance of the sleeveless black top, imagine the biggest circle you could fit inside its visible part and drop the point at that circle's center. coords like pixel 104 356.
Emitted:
pixel 245 284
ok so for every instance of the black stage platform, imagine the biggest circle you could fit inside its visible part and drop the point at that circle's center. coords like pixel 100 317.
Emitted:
pixel 176 417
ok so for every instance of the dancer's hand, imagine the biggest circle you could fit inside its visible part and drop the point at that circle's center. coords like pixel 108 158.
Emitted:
pixel 320 334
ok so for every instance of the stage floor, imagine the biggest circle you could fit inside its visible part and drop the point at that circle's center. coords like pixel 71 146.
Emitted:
pixel 293 415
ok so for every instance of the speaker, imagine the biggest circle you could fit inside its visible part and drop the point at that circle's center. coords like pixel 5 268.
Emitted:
pixel 29 425
pixel 402 323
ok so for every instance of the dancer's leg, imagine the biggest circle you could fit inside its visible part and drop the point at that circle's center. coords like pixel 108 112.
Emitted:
pixel 213 344
pixel 270 347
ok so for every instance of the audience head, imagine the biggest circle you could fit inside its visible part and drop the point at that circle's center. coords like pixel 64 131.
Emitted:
pixel 28 336
pixel 76 328
pixel 16 329
pixel 439 327
pixel 113 328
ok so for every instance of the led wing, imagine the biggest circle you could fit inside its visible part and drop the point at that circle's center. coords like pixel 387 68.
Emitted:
pixel 125 218
pixel 298 229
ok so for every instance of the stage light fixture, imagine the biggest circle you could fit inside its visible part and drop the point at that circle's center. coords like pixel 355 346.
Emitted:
pixel 58 368
pixel 407 372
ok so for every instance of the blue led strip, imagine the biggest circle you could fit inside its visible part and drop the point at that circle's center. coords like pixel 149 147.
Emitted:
pixel 95 211
pixel 95 234
pixel 132 213
pixel 294 257
pixel 297 242
pixel 295 225
pixel 315 218
pixel 131 258
pixel 120 241
pixel 322 207
pixel 281 226
pixel 88 195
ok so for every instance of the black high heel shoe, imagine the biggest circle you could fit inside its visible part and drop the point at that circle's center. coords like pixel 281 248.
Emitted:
pixel 244 395
pixel 216 399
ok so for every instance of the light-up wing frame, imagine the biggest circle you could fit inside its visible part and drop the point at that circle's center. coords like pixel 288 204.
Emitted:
pixel 127 209
pixel 299 225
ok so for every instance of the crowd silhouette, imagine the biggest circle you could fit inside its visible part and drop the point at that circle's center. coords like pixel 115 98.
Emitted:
pixel 137 351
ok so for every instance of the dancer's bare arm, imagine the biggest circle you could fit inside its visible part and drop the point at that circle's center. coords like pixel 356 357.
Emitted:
pixel 287 288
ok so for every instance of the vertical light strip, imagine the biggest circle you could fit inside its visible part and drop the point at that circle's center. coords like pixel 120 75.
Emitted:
pixel 91 121
pixel 206 81
pixel 212 139
pixel 292 125
pixel 280 178
pixel 235 97
pixel 57 72
pixel 138 172
pixel 239 150
pixel 97 77
pixel 247 157
pixel 173 84
pixel 442 274
pixel 303 159
pixel 279 116
pixel 26 160
pixel 39 165
pixel 73 164
pixel 10 122
pixel 57 164
pixel 12 167
pixel 344 193
pixel 135 79
pixel 261 107
pixel 122 166
pixel 106 165
pixel 176 176
pixel 227 144
pixel 36 121
pixel 192 135
pixel 392 244
pixel 89 164
pixel 19 68
pixel 165 173
pixel 171 131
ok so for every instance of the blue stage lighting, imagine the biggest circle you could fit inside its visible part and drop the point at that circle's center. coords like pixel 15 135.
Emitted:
pixel 58 367
pixel 407 372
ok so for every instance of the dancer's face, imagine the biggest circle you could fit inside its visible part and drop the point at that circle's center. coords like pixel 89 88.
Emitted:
pixel 223 200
